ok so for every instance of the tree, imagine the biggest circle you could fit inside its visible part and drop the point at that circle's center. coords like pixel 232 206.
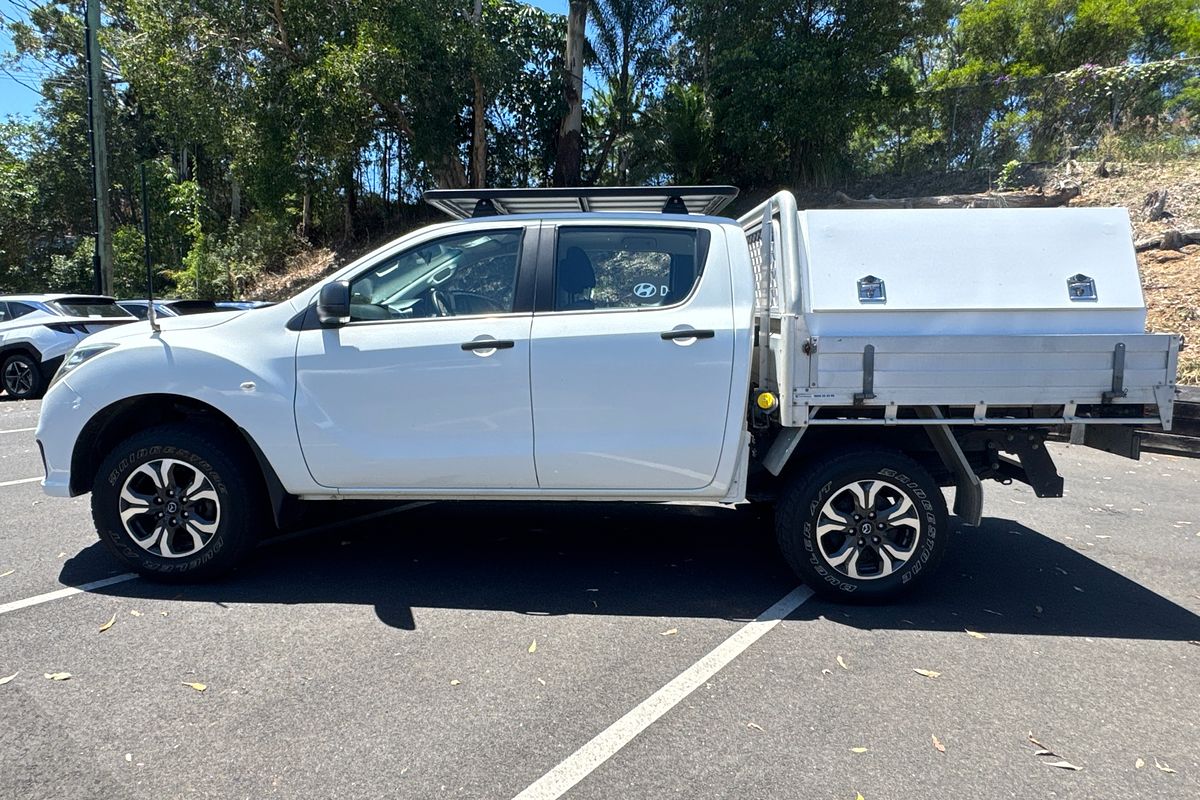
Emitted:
pixel 569 161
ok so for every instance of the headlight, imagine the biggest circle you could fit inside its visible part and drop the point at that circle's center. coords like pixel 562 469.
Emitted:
pixel 78 356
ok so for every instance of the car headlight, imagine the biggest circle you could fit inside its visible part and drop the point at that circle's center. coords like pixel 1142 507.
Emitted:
pixel 77 357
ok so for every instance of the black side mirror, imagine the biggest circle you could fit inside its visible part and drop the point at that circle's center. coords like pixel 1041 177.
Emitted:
pixel 333 306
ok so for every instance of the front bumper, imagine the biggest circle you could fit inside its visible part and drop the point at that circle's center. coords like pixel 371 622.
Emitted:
pixel 64 413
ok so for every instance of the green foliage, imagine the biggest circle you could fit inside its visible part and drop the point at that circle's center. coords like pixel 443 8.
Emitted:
pixel 264 127
pixel 1005 179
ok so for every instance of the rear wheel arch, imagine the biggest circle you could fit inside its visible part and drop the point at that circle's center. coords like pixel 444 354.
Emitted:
pixel 117 422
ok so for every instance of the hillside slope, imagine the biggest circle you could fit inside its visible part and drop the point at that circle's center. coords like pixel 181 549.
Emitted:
pixel 1169 277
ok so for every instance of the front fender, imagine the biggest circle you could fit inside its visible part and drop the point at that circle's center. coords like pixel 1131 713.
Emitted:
pixel 244 368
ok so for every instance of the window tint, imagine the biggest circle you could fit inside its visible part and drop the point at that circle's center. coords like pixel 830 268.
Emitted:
pixel 19 310
pixel 471 273
pixel 600 268
pixel 89 307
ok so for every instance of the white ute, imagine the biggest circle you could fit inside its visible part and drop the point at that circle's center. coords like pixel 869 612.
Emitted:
pixel 605 344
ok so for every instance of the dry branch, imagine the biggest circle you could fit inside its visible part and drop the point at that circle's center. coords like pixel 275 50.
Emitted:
pixel 1168 240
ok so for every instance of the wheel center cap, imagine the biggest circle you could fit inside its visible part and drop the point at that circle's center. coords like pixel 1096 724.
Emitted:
pixel 172 507
pixel 865 527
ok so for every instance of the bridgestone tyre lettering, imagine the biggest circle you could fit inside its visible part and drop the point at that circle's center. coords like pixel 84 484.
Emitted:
pixel 232 510
pixel 810 503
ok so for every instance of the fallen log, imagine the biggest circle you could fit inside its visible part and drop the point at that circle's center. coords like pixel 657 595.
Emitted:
pixel 1167 240
pixel 1059 197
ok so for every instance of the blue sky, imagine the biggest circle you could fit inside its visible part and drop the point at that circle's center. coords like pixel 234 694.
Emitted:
pixel 17 99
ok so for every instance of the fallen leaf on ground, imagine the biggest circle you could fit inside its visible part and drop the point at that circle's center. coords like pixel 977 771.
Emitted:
pixel 1045 753
pixel 199 687
pixel 62 555
pixel 826 672
pixel 58 676
pixel 1163 767
pixel 1062 765
pixel 997 613
pixel 1037 609
pixel 754 725
pixel 842 663
pixel 129 756
pixel 135 613
pixel 858 749
pixel 975 635
pixel 937 744
pixel 6 574
pixel 1139 764
pixel 669 632
pixel 928 673
pixel 111 621
pixel 858 796
pixel 455 682
pixel 533 646
pixel 1078 589
pixel 542 682
pixel 9 678
pixel 1194 641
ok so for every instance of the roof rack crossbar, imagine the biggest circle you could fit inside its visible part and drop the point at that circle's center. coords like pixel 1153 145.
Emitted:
pixel 468 203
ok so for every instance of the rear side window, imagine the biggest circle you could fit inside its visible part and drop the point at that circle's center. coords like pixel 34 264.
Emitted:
pixel 19 310
pixel 90 307
pixel 614 268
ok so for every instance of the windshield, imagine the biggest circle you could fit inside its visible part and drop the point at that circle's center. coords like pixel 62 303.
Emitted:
pixel 89 307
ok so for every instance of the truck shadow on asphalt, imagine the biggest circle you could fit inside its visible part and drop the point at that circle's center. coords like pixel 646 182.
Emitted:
pixel 659 561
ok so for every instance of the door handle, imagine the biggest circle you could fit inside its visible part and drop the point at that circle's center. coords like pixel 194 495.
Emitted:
pixel 687 334
pixel 488 344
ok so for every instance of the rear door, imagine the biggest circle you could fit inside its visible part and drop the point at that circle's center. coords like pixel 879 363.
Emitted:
pixel 632 351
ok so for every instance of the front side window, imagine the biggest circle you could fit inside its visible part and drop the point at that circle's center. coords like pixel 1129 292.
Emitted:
pixel 599 268
pixel 456 276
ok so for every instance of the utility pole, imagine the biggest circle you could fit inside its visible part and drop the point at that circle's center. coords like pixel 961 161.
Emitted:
pixel 102 258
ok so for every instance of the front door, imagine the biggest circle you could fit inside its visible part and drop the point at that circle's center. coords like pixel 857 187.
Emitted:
pixel 427 387
pixel 632 358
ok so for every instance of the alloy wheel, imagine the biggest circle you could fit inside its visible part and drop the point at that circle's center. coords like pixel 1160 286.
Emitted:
pixel 868 529
pixel 18 377
pixel 169 508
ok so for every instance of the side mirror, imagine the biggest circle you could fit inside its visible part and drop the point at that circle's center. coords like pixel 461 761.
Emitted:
pixel 333 306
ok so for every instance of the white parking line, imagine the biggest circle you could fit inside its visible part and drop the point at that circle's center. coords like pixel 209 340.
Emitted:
pixel 605 745
pixel 20 481
pixel 20 430
pixel 17 605
pixel 70 591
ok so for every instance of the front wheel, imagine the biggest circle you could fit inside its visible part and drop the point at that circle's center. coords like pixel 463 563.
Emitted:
pixel 23 379
pixel 865 525
pixel 178 503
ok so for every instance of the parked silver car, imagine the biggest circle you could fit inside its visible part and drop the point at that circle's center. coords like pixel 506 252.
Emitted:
pixel 38 331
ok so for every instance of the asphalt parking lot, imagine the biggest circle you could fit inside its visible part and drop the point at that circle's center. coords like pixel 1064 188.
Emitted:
pixel 486 651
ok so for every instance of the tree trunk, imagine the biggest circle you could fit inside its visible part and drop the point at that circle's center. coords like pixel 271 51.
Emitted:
pixel 478 134
pixel 306 216
pixel 235 201
pixel 1059 197
pixel 569 156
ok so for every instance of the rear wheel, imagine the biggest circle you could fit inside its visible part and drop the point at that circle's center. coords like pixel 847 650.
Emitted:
pixel 22 377
pixel 177 503
pixel 865 525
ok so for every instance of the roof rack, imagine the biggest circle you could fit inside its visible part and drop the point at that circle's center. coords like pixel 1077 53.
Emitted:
pixel 465 203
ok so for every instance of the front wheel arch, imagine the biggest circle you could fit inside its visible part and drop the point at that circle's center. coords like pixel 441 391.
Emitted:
pixel 117 422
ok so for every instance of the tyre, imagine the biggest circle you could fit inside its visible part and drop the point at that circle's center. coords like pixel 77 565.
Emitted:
pixel 179 503
pixel 867 525
pixel 22 377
